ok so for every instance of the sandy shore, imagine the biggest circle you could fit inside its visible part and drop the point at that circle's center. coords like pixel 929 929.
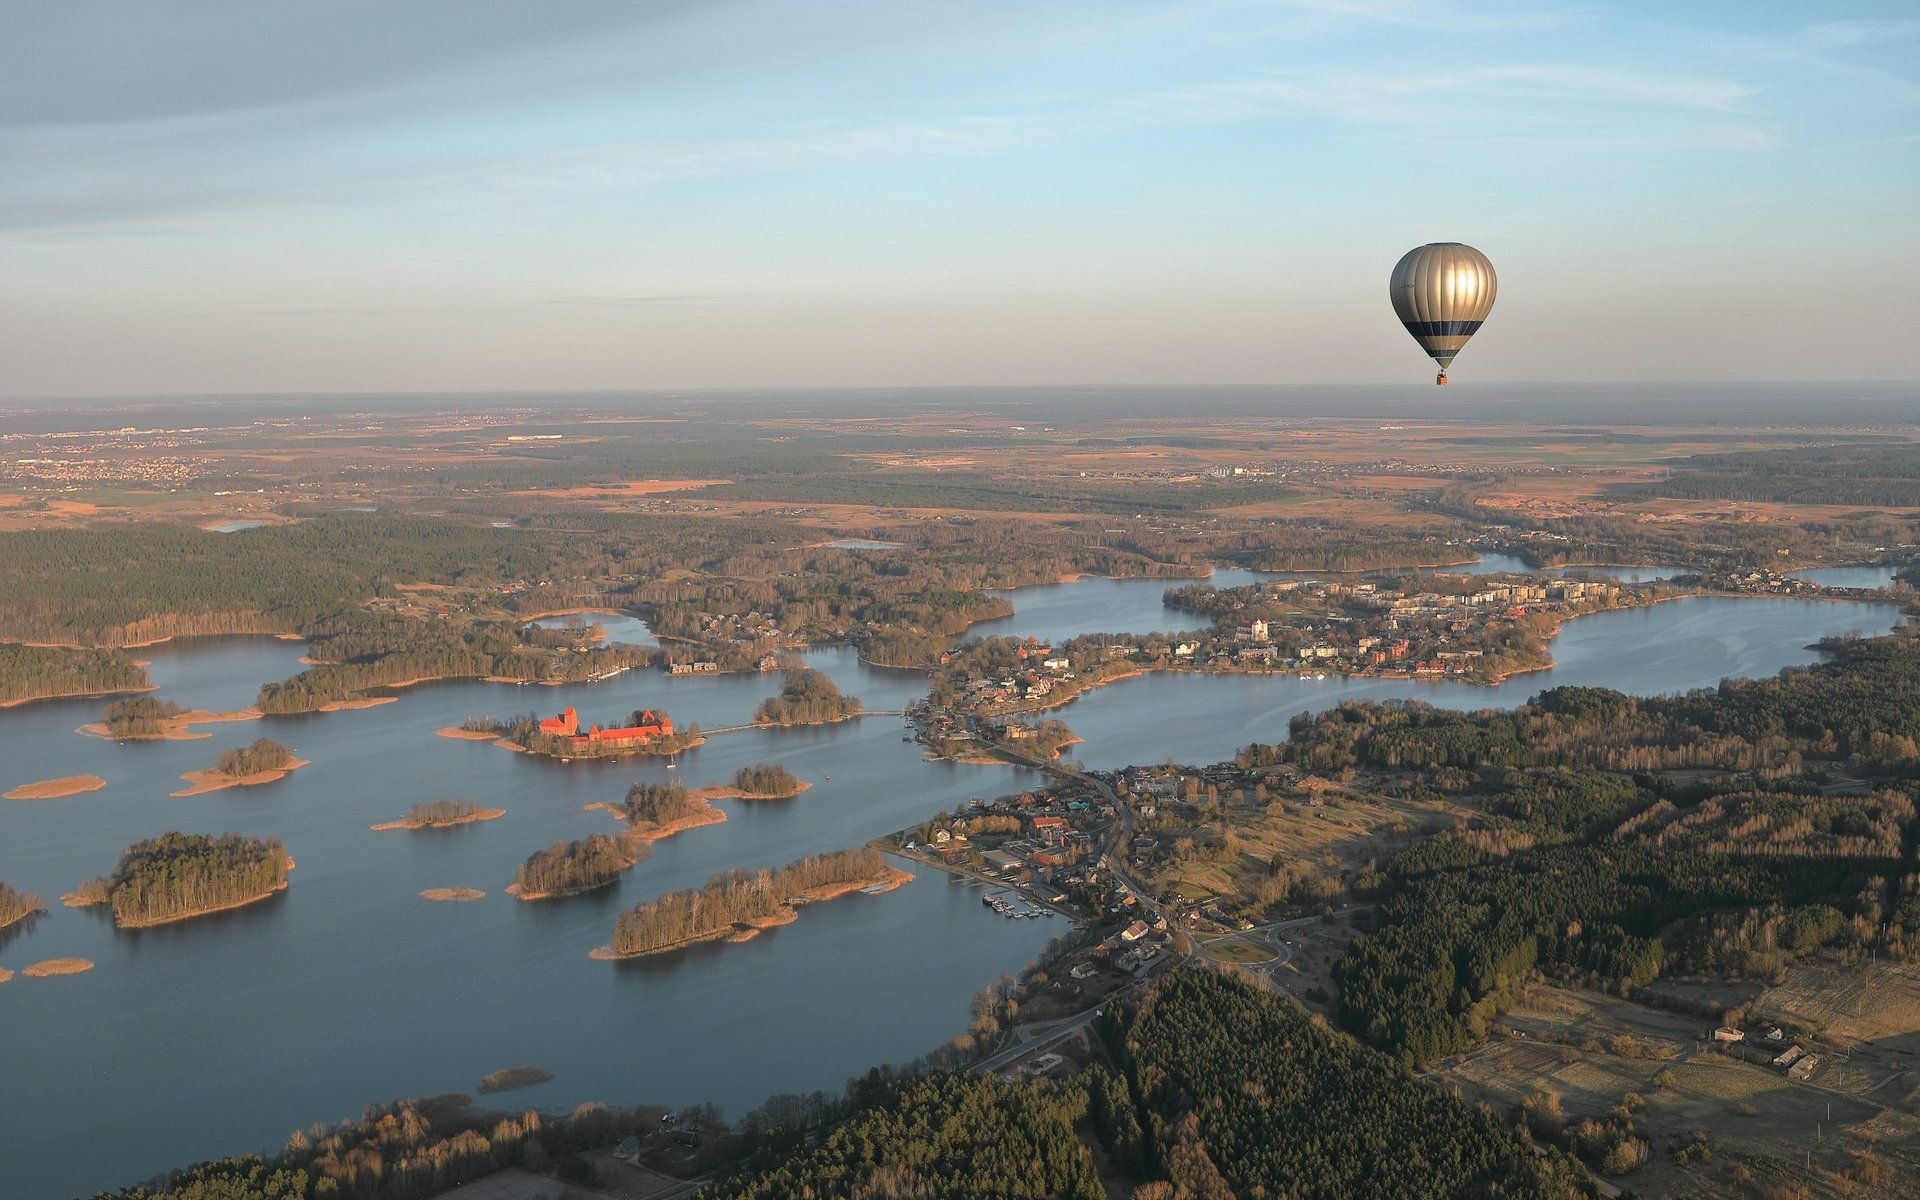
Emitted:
pixel 213 781
pixel 53 789
pixel 57 966
pixel 453 893
pixel 5 974
pixel 484 814
pixel 177 728
pixel 466 735
pixel 787 914
pixel 721 791
pixel 35 699
pixel 651 834
pixel 358 702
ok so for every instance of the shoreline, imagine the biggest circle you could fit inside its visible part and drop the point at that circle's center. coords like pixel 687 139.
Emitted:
pixel 55 789
pixel 162 640
pixel 93 695
pixel 212 781
pixel 723 791
pixel 786 914
pixel 514 890
pixel 150 922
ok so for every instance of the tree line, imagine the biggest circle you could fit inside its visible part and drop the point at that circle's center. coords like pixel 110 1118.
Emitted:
pixel 33 672
pixel 567 868
pixel 737 897
pixel 180 875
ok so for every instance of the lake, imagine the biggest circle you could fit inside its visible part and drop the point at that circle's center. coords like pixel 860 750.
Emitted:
pixel 1867 576
pixel 223 1034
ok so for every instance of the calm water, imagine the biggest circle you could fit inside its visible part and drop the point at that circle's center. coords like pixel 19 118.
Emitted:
pixel 865 544
pixel 1671 647
pixel 1055 612
pixel 1850 577
pixel 619 626
pixel 233 526
pixel 223 1034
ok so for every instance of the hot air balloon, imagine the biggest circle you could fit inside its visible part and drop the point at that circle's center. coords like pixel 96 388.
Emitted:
pixel 1442 292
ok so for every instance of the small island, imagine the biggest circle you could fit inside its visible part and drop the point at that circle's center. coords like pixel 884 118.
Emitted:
pixel 570 868
pixel 761 781
pixel 147 719
pixel 737 904
pixel 54 967
pixel 807 698
pixel 17 906
pixel 54 789
pixel 443 814
pixel 658 810
pixel 177 876
pixel 646 732
pixel 453 893
pixel 513 1077
pixel 246 766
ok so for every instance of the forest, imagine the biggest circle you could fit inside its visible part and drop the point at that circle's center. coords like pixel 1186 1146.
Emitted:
pixel 178 875
pixel 1884 475
pixel 806 698
pixel 1241 1093
pixel 37 672
pixel 569 868
pixel 737 897
pixel 261 755
pixel 945 1136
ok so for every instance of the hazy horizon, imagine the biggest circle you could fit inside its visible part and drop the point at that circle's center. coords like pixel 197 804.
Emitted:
pixel 442 196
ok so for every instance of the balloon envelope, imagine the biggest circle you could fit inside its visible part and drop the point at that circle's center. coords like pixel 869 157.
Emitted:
pixel 1442 292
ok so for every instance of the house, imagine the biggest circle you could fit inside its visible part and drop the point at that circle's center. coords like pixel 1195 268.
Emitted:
pixel 1789 1056
pixel 1050 830
pixel 1803 1068
pixel 1134 932
pixel 1727 1035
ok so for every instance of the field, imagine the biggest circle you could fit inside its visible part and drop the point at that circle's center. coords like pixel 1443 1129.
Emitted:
pixel 1590 1051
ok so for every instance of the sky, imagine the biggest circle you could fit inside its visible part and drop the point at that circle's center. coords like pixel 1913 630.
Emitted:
pixel 384 195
